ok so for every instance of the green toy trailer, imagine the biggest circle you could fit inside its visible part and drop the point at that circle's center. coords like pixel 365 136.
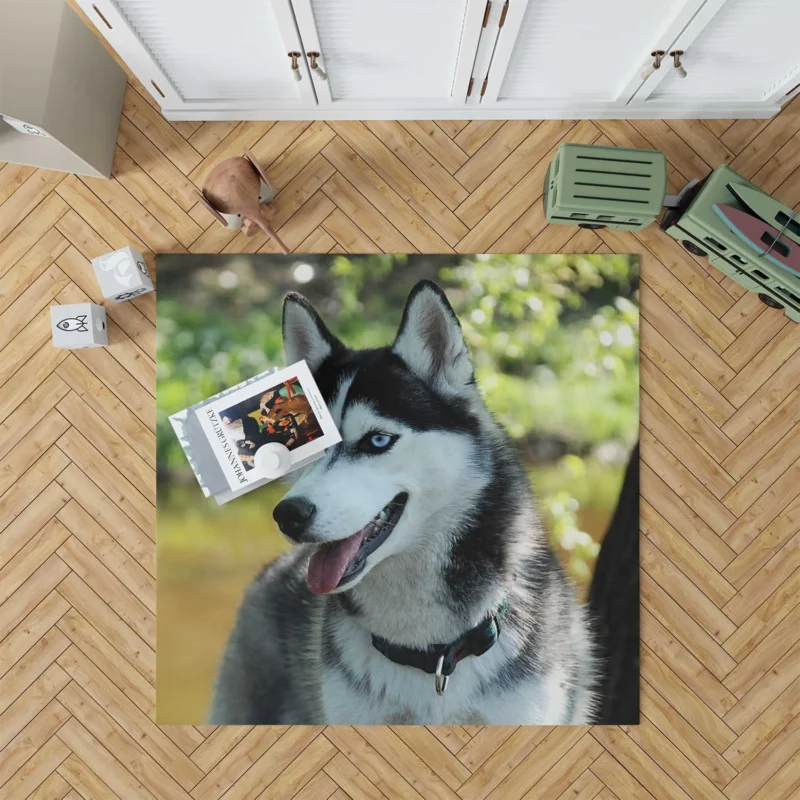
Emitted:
pixel 614 187
pixel 605 187
pixel 701 230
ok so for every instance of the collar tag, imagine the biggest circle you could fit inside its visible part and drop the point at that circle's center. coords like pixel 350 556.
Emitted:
pixel 440 681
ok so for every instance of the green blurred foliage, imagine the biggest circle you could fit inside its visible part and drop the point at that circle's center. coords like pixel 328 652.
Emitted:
pixel 554 342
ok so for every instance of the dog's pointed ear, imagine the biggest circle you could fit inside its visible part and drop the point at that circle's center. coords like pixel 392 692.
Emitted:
pixel 305 335
pixel 431 342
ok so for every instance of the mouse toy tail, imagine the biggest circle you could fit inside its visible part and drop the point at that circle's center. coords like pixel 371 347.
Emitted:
pixel 270 231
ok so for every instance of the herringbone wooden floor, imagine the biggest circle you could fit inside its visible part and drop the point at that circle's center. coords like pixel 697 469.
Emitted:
pixel 720 486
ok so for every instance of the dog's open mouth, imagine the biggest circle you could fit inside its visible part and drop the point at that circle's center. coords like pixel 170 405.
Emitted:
pixel 336 563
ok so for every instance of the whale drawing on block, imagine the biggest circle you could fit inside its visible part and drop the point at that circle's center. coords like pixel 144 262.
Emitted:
pixel 120 263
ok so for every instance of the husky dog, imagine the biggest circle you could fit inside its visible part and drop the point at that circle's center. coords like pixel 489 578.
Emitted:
pixel 420 556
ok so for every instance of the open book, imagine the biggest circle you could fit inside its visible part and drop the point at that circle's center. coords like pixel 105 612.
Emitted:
pixel 222 435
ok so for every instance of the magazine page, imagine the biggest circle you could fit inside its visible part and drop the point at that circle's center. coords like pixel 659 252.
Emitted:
pixel 286 407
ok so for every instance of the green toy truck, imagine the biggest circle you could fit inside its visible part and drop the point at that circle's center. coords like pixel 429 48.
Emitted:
pixel 613 187
pixel 696 225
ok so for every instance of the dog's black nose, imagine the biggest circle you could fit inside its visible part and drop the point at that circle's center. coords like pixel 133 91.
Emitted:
pixel 294 515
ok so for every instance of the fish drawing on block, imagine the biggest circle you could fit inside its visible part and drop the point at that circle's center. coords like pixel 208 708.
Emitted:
pixel 77 324
pixel 764 239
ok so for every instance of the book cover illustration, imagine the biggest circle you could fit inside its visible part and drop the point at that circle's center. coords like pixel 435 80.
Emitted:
pixel 222 435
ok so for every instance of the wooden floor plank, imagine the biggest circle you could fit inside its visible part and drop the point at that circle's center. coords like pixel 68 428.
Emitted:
pixel 779 604
pixel 437 143
pixel 46 432
pixel 498 182
pixel 31 266
pixel 30 231
pixel 500 146
pixel 209 135
pixel 348 199
pixel 141 186
pixel 159 131
pixel 39 294
pixel 476 133
pixel 685 413
pixel 767 397
pixel 32 192
pixel 419 161
pixel 677 730
pixel 684 556
pixel 82 453
pixel 38 717
pixel 687 702
pixel 402 180
pixel 12 176
pixel 283 161
pixel 84 782
pixel 110 517
pixel 356 171
pixel 144 153
pixel 764 693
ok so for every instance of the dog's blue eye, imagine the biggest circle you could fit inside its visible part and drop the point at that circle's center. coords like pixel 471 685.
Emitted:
pixel 376 442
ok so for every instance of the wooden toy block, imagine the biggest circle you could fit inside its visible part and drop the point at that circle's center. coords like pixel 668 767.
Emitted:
pixel 78 325
pixel 122 274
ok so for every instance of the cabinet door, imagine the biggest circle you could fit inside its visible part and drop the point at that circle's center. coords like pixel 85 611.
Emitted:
pixel 736 51
pixel 390 54
pixel 559 53
pixel 191 53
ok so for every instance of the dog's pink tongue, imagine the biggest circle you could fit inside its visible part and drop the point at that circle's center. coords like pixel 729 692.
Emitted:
pixel 329 562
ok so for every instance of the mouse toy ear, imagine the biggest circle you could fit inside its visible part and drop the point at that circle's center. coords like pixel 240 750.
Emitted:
pixel 258 168
pixel 305 335
pixel 213 211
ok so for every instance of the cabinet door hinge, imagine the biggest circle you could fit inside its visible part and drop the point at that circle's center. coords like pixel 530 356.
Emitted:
pixel 486 13
pixel 503 15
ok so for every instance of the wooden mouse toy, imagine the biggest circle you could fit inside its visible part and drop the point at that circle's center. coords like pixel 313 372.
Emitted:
pixel 234 193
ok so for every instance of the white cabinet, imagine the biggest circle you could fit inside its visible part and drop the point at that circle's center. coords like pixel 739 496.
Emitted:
pixel 388 59
pixel 204 53
pixel 734 51
pixel 585 58
pixel 409 54
pixel 577 51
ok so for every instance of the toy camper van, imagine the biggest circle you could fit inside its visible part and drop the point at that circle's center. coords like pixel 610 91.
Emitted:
pixel 745 234
pixel 605 187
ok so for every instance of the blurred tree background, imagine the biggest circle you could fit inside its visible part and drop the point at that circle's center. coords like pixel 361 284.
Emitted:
pixel 555 344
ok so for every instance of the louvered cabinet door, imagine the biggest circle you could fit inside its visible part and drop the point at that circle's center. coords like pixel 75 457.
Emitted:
pixel 389 54
pixel 228 56
pixel 734 51
pixel 557 54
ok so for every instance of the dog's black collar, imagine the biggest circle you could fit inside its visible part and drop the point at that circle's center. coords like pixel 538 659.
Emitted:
pixel 475 642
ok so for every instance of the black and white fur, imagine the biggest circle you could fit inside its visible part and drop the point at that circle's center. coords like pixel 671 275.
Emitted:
pixel 468 537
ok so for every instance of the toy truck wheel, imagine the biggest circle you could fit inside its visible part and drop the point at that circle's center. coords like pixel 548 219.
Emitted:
pixel 592 226
pixel 693 248
pixel 769 301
